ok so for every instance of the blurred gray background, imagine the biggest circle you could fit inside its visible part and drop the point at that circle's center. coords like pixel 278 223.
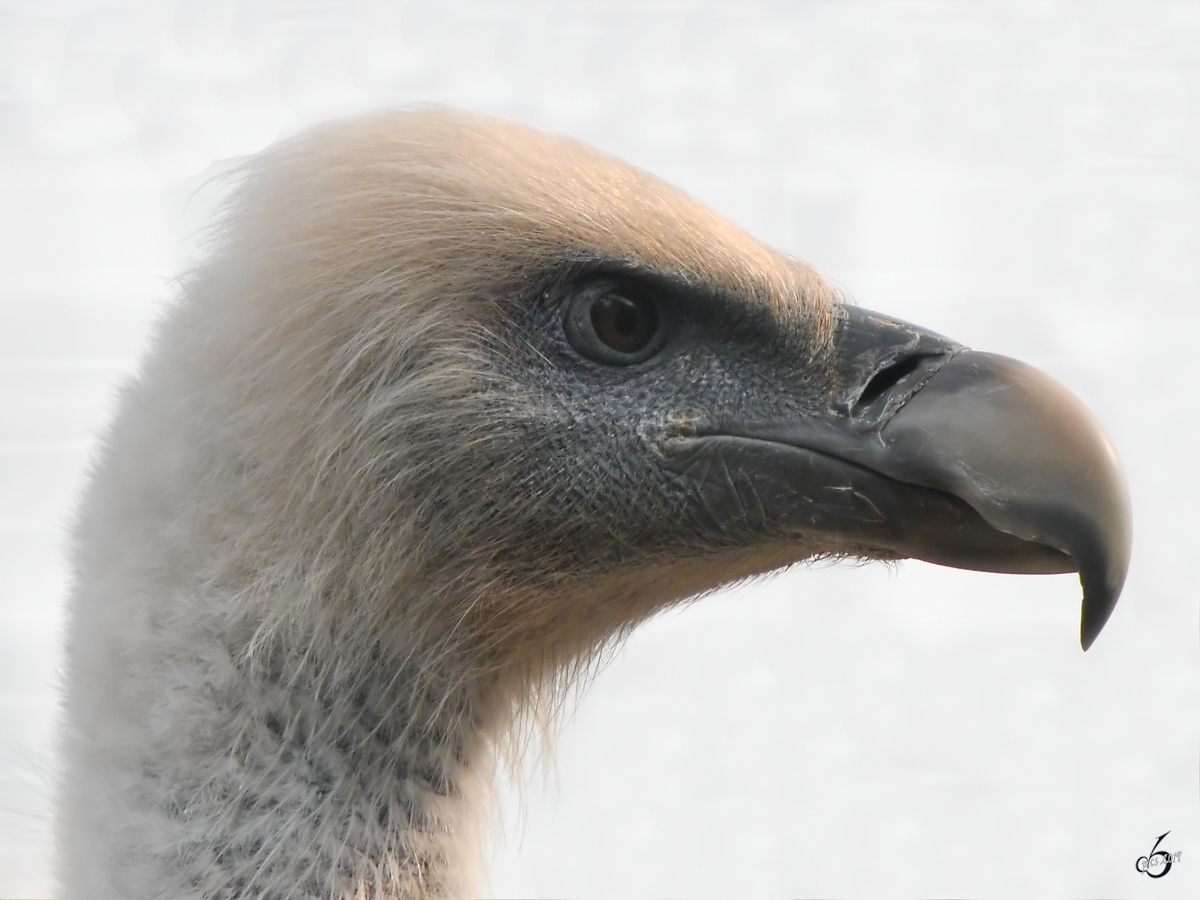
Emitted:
pixel 1022 176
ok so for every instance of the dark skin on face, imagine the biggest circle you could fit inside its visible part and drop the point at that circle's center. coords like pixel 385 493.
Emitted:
pixel 722 428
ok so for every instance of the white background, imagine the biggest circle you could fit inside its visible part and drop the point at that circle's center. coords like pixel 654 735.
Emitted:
pixel 1021 176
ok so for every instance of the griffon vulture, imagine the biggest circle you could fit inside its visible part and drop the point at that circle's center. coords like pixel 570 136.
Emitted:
pixel 452 405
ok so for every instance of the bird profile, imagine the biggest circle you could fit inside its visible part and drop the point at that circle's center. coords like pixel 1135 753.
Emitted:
pixel 451 406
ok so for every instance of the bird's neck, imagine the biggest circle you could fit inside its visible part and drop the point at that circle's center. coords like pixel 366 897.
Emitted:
pixel 364 764
pixel 292 765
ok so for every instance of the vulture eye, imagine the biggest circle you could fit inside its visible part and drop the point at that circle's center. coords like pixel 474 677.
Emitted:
pixel 614 323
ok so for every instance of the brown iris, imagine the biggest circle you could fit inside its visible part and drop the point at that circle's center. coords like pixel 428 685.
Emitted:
pixel 626 324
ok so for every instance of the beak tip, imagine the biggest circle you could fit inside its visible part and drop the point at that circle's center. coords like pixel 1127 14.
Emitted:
pixel 1032 460
pixel 1098 606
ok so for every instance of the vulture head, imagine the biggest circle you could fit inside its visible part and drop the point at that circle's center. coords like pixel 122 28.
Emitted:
pixel 452 405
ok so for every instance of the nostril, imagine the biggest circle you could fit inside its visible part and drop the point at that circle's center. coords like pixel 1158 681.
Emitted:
pixel 886 379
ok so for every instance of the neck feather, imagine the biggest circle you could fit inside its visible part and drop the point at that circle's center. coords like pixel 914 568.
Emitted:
pixel 300 762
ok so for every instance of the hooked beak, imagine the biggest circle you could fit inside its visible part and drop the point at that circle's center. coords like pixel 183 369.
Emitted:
pixel 935 452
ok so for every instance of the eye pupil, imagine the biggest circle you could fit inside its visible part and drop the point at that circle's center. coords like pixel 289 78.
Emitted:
pixel 626 324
